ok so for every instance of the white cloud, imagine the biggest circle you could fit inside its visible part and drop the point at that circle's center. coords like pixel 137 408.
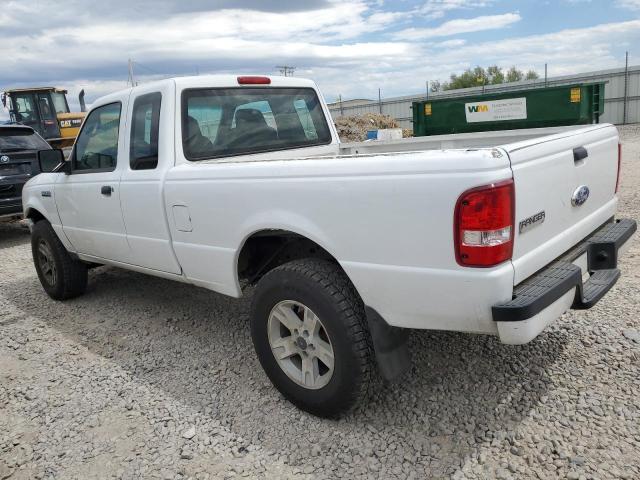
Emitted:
pixel 461 25
pixel 629 4
pixel 439 8
pixel 343 45
pixel 567 51
pixel 455 42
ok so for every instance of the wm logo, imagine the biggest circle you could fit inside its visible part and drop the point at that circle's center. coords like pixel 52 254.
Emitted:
pixel 478 108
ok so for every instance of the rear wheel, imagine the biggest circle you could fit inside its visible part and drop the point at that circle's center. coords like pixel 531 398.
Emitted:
pixel 310 333
pixel 61 276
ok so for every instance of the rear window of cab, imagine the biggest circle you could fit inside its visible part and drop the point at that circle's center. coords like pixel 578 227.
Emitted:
pixel 221 122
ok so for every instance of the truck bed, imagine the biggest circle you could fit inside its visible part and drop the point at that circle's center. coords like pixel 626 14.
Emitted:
pixel 454 141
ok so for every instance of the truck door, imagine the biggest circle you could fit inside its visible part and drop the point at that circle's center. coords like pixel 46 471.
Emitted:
pixel 88 199
pixel 150 155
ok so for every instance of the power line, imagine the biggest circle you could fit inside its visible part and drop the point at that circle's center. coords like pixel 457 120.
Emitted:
pixel 147 68
pixel 131 78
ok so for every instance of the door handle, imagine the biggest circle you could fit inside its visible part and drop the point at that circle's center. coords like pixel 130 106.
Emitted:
pixel 106 190
pixel 579 153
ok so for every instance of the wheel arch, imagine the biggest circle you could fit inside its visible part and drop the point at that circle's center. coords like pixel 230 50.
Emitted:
pixel 264 249
pixel 34 214
pixel 37 212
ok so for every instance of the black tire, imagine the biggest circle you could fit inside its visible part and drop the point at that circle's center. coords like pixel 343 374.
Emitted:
pixel 69 277
pixel 324 288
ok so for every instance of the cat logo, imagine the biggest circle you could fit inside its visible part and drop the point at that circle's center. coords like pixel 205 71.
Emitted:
pixel 73 122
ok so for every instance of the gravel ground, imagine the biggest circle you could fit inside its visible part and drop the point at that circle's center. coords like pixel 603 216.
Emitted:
pixel 146 378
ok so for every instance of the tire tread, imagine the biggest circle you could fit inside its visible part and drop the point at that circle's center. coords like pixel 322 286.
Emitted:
pixel 330 277
pixel 73 272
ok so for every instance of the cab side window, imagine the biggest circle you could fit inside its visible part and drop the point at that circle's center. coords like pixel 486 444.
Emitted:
pixel 97 145
pixel 145 127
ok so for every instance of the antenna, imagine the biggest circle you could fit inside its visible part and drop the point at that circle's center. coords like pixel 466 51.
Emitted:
pixel 286 70
pixel 130 79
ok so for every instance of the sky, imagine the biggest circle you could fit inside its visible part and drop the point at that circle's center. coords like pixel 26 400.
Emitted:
pixel 350 47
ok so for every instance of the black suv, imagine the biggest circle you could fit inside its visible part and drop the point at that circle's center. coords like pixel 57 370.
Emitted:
pixel 19 146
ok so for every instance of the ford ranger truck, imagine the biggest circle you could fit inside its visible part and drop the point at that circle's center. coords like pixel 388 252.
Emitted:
pixel 225 182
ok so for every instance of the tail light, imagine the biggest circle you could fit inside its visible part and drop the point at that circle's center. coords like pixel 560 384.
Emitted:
pixel 619 166
pixel 254 80
pixel 484 225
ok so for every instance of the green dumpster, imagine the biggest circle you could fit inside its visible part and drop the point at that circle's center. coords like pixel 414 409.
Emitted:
pixel 531 108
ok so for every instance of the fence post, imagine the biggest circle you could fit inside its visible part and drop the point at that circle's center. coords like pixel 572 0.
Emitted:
pixel 626 84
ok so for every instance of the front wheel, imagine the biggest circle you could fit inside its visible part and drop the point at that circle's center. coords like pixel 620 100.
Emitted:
pixel 310 332
pixel 61 276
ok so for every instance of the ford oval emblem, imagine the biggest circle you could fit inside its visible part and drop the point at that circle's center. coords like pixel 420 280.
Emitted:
pixel 4 159
pixel 580 196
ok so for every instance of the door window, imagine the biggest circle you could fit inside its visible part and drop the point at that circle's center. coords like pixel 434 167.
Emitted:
pixel 25 111
pixel 60 102
pixel 97 145
pixel 143 152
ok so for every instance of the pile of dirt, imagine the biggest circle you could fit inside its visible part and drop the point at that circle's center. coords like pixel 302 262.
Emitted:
pixel 354 128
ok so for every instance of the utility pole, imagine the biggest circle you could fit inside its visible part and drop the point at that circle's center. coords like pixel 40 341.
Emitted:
pixel 626 85
pixel 286 70
pixel 380 101
pixel 427 89
pixel 545 75
pixel 340 100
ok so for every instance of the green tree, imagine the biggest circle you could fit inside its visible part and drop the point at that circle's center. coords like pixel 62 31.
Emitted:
pixel 468 78
pixel 531 75
pixel 495 75
pixel 479 76
pixel 514 75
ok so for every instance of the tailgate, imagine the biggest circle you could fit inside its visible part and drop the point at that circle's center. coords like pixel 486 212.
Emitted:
pixel 552 209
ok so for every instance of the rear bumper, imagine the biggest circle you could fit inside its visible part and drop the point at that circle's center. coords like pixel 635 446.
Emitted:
pixel 563 284
pixel 11 195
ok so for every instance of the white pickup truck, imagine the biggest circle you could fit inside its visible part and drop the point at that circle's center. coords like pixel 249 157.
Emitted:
pixel 225 182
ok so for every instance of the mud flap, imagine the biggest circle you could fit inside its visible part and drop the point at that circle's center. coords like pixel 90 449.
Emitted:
pixel 390 346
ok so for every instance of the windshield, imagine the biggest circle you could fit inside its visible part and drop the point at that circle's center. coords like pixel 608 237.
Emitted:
pixel 14 139
pixel 60 102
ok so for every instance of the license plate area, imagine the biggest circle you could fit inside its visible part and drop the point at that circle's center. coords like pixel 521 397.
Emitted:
pixel 13 169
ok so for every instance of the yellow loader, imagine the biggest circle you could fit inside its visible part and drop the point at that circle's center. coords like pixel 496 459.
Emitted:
pixel 46 110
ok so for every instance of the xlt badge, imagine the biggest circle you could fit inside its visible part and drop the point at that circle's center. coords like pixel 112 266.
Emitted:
pixel 531 221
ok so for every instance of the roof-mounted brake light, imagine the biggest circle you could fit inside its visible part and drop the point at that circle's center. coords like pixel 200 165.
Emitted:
pixel 254 80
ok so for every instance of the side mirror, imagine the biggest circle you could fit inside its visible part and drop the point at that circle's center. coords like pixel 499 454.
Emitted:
pixel 50 160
